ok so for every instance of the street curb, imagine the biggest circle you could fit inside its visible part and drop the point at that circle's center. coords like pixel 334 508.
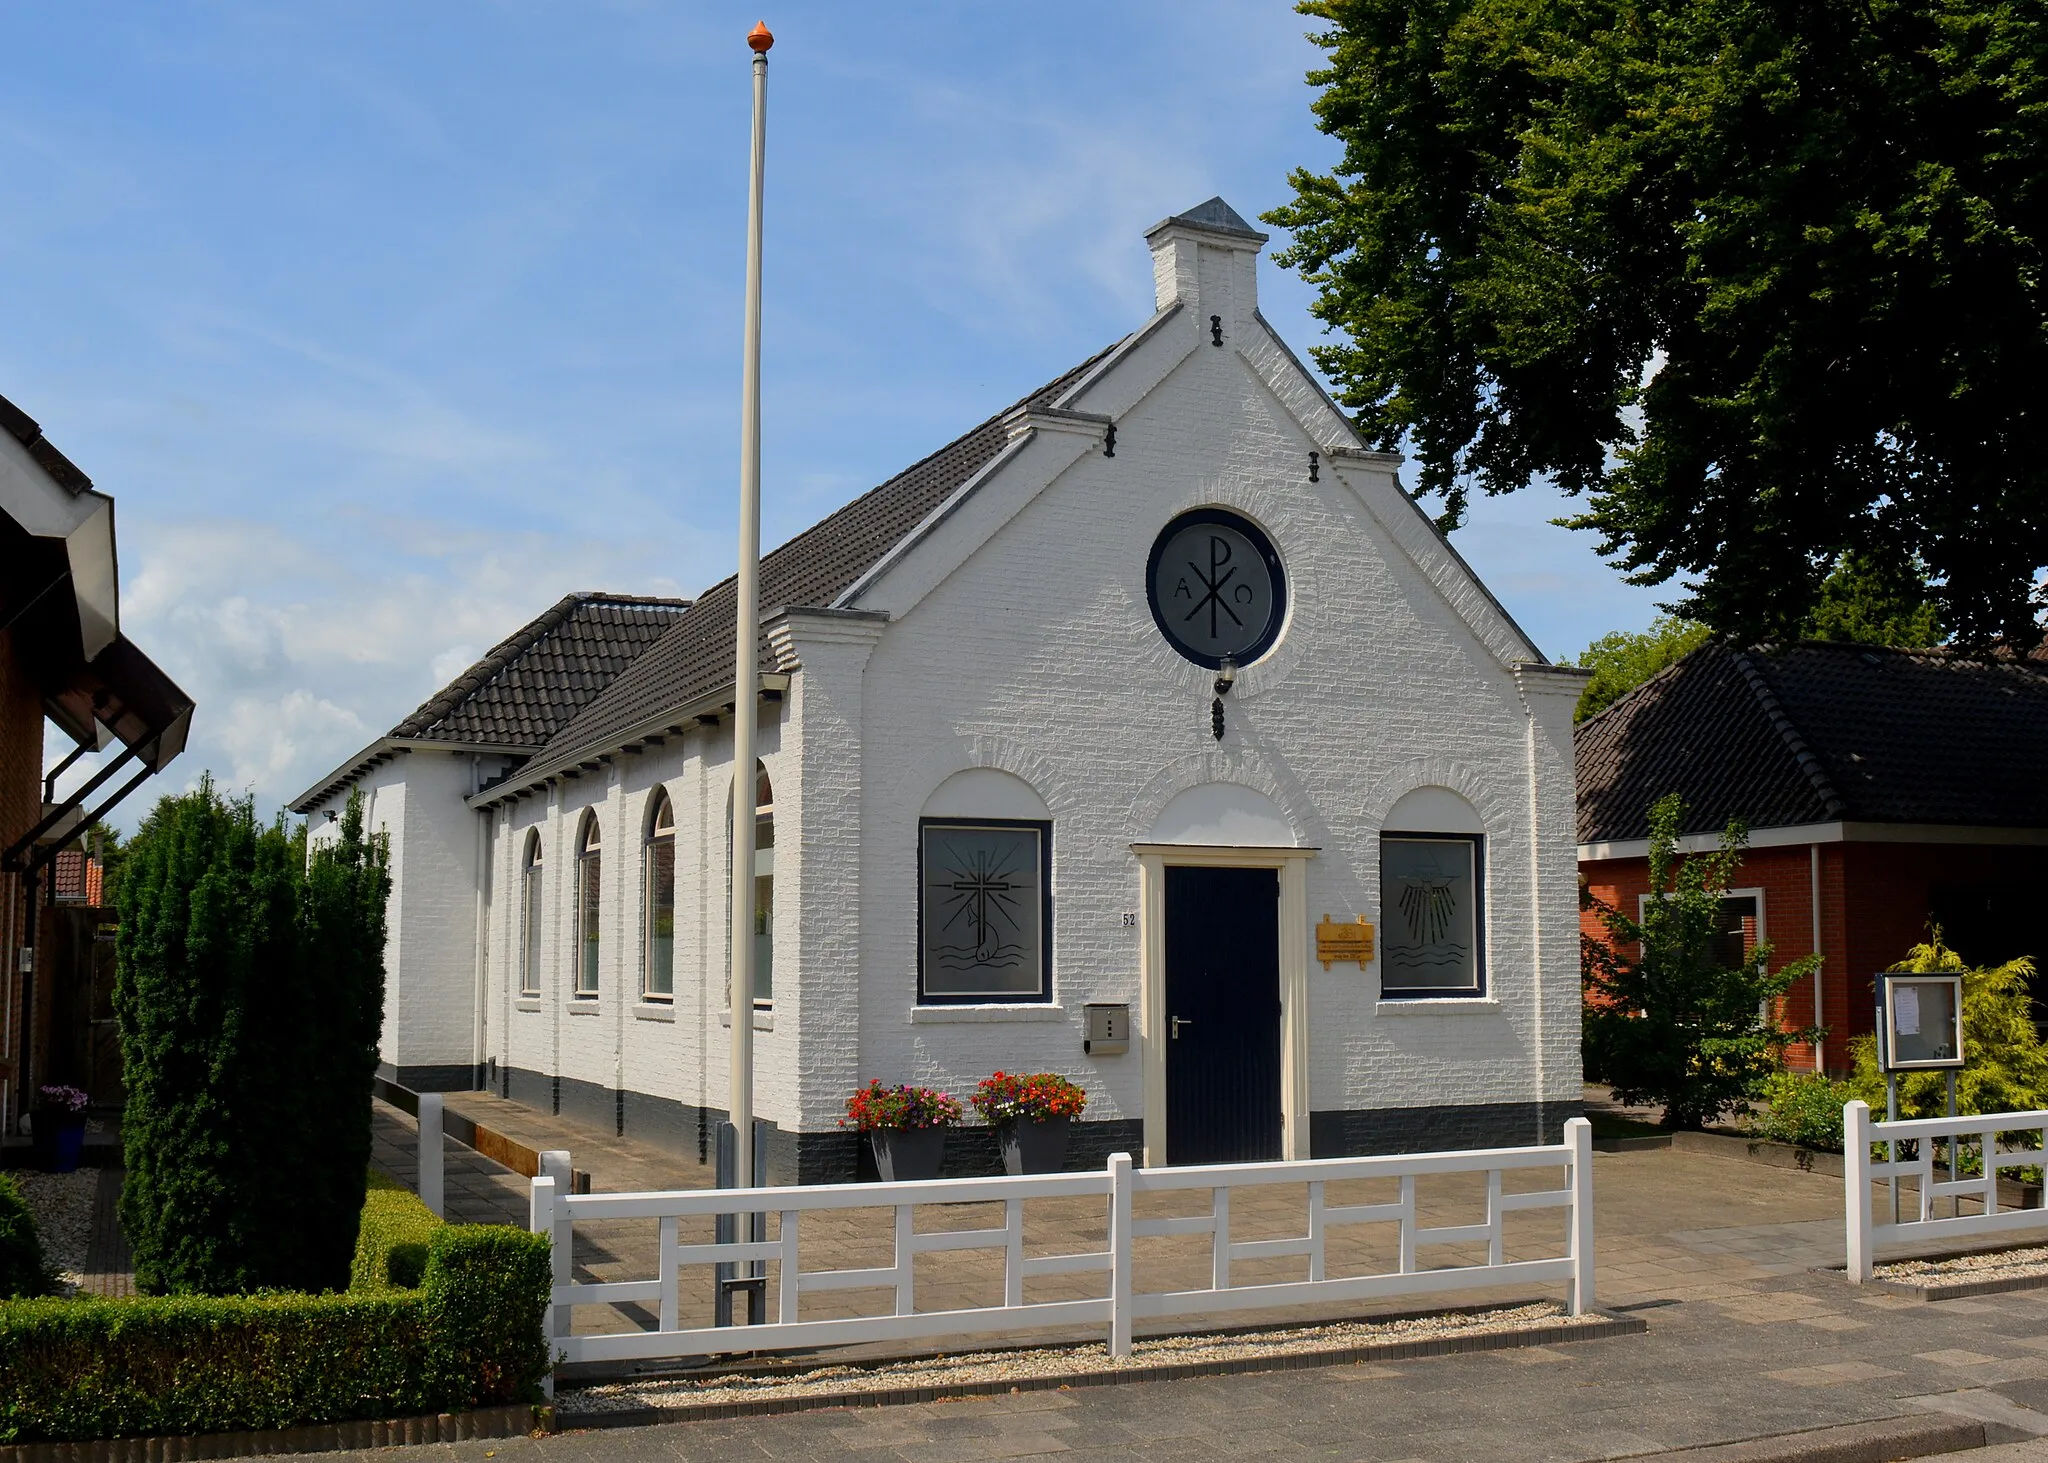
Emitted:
pixel 1566 1331
pixel 1954 1289
pixel 322 1437
pixel 1917 1435
pixel 1760 1150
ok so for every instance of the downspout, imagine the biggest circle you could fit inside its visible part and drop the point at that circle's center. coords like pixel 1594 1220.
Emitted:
pixel 26 965
pixel 480 1025
pixel 1820 1064
pixel 11 1086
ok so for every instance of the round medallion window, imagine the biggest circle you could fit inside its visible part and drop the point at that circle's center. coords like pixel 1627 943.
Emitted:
pixel 1216 587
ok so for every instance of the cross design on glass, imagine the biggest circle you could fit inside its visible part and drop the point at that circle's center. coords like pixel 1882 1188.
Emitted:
pixel 1213 582
pixel 980 893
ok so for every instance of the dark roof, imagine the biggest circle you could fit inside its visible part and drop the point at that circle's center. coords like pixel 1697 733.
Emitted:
pixel 22 427
pixel 813 569
pixel 1816 733
pixel 531 685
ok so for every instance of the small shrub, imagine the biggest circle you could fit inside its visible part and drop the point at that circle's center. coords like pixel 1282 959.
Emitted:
pixel 876 1106
pixel 23 1269
pixel 485 1296
pixel 392 1239
pixel 1009 1097
pixel 1805 1108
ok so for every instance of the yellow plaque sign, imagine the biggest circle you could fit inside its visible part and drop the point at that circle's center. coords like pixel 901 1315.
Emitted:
pixel 1336 943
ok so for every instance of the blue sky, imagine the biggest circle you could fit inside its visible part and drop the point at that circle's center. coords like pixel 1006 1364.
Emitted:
pixel 388 324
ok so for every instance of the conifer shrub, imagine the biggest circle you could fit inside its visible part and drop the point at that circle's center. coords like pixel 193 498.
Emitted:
pixel 249 993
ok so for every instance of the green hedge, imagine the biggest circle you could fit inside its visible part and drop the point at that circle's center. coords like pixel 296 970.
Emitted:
pixel 470 1336
pixel 392 1238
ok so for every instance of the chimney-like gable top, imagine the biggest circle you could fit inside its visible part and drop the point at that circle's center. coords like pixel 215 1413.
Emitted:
pixel 1216 217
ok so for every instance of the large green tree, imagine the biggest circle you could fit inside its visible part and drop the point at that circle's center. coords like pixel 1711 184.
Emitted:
pixel 248 995
pixel 1762 278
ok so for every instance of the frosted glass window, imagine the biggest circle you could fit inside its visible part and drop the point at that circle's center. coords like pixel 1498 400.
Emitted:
pixel 984 916
pixel 1431 925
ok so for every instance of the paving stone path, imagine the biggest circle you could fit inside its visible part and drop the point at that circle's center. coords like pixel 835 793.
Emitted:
pixel 1717 1254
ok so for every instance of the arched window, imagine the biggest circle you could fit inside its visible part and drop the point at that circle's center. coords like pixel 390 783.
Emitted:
pixel 984 859
pixel 1432 898
pixel 764 887
pixel 529 917
pixel 589 856
pixel 658 860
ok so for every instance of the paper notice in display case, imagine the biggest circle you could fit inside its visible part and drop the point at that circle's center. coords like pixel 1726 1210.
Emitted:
pixel 1906 1010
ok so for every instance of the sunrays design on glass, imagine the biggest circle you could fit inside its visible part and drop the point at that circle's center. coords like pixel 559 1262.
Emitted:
pixel 981 903
pixel 1433 903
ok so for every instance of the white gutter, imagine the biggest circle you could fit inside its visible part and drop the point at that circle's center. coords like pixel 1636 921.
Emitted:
pixel 1838 832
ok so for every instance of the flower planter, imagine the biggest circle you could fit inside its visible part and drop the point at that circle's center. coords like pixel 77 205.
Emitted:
pixel 907 1153
pixel 59 1140
pixel 1039 1147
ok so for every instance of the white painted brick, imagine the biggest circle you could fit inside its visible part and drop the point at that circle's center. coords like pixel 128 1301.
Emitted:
pixel 1021 639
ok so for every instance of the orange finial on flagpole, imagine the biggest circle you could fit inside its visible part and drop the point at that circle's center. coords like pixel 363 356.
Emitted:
pixel 759 37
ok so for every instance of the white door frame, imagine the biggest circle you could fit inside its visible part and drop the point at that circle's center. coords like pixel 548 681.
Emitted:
pixel 1154 859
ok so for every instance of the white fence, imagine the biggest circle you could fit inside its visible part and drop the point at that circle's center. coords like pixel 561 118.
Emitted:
pixel 555 1213
pixel 1954 1135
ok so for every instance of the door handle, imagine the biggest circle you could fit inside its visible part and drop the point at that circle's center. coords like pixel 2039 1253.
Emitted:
pixel 1178 1023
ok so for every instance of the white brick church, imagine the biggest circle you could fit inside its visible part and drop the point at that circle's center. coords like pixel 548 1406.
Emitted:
pixel 1111 701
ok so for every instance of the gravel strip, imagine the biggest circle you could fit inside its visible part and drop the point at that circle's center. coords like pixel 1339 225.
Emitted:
pixel 62 1206
pixel 983 1367
pixel 1991 1265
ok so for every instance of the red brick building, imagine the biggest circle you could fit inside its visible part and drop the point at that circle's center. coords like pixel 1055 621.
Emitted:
pixel 1886 792
pixel 64 663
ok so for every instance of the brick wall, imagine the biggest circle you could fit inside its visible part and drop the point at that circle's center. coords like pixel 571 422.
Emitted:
pixel 1876 902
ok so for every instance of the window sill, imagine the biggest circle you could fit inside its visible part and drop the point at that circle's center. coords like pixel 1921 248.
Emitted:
pixel 1436 1006
pixel 526 1003
pixel 653 1011
pixel 584 1006
pixel 763 1020
pixel 949 1015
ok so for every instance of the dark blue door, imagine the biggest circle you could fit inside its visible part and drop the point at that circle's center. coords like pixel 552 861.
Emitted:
pixel 1222 1028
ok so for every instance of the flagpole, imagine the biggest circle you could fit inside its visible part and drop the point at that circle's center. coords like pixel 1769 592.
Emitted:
pixel 746 670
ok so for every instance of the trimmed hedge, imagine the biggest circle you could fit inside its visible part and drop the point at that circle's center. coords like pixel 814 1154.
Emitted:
pixel 392 1238
pixel 469 1337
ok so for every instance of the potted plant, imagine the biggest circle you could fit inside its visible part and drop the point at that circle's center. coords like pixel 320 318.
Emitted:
pixel 60 1128
pixel 906 1127
pixel 1032 1116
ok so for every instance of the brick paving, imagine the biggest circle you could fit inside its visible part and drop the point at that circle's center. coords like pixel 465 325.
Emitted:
pixel 1716 1254
pixel 109 1269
